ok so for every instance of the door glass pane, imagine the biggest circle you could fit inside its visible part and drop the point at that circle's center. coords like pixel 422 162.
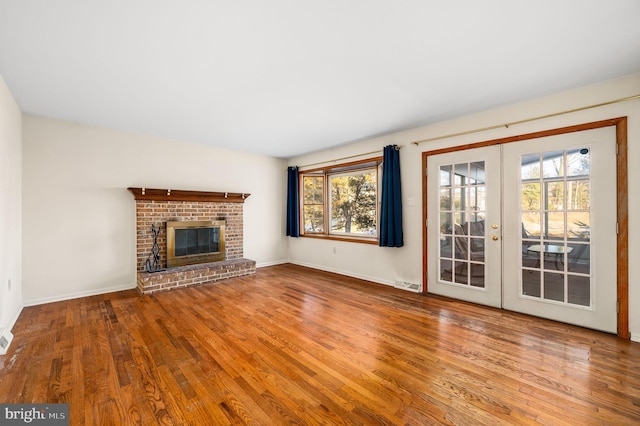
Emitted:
pixel 553 164
pixel 462 212
pixel 531 283
pixel 530 194
pixel 579 226
pixel 530 255
pixel 459 201
pixel 476 274
pixel 579 290
pixel 461 174
pixel 446 223
pixel 460 273
pixel 530 167
pixel 445 176
pixel 554 286
pixel 579 260
pixel 578 162
pixel 477 173
pixel 445 199
pixel 554 197
pixel 461 248
pixel 446 270
pixel 554 225
pixel 446 247
pixel 578 194
pixel 531 225
pixel 556 222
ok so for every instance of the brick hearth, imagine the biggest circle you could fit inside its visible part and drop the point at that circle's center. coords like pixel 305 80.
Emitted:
pixel 160 206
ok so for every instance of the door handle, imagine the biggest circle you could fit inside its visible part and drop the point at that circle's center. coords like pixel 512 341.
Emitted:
pixel 494 238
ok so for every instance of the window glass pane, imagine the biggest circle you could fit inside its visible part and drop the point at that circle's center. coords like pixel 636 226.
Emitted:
pixel 530 167
pixel 552 164
pixel 354 203
pixel 554 195
pixel 578 162
pixel 530 196
pixel 313 191
pixel 578 195
pixel 313 218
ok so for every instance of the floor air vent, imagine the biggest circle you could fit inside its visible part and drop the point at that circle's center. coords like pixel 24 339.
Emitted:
pixel 405 285
pixel 5 340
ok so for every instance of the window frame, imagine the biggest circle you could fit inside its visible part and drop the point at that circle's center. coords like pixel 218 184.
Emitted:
pixel 326 172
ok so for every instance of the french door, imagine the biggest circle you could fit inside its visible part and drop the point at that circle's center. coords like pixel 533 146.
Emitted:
pixel 528 226
pixel 464 222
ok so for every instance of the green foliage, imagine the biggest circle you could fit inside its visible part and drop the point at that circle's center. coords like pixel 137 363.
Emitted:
pixel 353 202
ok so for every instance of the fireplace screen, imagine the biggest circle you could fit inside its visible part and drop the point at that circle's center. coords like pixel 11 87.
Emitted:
pixel 194 242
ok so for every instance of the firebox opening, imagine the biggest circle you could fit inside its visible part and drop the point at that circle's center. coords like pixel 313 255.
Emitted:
pixel 191 242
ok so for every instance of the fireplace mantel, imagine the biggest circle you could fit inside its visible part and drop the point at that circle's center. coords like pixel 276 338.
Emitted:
pixel 151 194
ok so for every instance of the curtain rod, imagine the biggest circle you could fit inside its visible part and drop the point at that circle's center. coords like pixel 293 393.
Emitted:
pixel 345 158
pixel 629 98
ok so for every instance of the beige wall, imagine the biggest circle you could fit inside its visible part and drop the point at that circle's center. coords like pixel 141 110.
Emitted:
pixel 386 265
pixel 79 218
pixel 10 208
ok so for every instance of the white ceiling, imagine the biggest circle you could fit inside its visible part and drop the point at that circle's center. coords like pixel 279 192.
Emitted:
pixel 288 77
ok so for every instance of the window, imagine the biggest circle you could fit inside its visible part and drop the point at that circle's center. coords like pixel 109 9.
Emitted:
pixel 341 202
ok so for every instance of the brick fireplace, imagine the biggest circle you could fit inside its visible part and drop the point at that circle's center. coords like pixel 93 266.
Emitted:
pixel 159 206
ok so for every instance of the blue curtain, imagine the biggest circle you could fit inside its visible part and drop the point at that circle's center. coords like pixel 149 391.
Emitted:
pixel 391 208
pixel 293 221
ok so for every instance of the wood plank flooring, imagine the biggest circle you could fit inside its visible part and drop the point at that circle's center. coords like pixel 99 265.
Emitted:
pixel 293 345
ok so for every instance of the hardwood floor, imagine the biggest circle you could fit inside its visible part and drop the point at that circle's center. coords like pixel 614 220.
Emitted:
pixel 293 345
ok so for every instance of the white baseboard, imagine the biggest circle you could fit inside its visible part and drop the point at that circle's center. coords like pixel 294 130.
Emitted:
pixel 14 319
pixel 346 273
pixel 69 296
pixel 265 264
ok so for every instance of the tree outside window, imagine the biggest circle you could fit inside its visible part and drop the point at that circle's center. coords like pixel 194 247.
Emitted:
pixel 353 203
pixel 341 202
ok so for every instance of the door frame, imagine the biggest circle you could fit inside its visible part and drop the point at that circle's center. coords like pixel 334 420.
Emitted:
pixel 622 242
